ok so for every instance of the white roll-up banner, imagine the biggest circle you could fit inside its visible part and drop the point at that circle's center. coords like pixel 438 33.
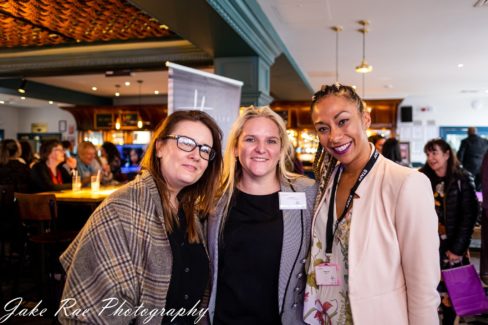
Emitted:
pixel 218 96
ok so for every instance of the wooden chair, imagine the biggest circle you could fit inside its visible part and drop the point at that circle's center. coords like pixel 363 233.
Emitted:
pixel 38 214
pixel 7 218
pixel 7 234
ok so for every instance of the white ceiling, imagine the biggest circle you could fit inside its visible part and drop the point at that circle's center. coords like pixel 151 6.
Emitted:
pixel 414 46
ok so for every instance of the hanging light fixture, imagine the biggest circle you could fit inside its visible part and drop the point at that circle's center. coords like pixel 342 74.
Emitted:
pixel 117 122
pixel 139 119
pixel 337 29
pixel 21 88
pixel 364 67
pixel 117 92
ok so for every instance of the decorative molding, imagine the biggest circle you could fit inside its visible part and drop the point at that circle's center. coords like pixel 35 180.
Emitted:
pixel 254 31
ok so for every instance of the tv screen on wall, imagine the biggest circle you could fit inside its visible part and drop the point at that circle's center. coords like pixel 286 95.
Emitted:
pixel 131 155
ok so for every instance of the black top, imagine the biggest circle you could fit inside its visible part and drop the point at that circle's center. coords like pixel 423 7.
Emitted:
pixel 189 275
pixel 16 174
pixel 249 261
pixel 42 179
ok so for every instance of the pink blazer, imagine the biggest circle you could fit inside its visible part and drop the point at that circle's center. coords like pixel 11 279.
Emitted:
pixel 394 248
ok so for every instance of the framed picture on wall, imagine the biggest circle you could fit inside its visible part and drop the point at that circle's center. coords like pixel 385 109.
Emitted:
pixel 405 152
pixel 62 126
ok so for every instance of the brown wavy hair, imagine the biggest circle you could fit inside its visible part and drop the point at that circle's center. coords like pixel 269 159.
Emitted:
pixel 198 198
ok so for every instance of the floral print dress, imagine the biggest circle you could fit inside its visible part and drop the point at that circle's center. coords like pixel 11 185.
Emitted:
pixel 328 305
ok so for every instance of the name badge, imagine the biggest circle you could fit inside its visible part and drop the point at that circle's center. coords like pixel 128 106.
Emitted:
pixel 292 200
pixel 326 274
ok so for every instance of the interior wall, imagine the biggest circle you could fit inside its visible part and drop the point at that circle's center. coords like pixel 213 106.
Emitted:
pixel 431 112
pixel 15 120
pixel 9 121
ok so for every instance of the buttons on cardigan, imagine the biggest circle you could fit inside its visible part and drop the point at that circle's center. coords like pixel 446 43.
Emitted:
pixel 186 297
pixel 294 306
pixel 303 261
pixel 299 275
pixel 187 269
pixel 297 289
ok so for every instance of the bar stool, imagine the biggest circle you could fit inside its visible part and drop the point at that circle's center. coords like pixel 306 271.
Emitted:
pixel 38 214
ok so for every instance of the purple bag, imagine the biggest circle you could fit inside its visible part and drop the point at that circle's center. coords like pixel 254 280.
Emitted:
pixel 465 290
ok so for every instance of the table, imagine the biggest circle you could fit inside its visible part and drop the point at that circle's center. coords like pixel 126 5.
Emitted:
pixel 75 207
pixel 85 195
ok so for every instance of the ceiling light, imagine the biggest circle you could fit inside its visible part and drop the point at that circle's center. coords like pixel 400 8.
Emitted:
pixel 94 88
pixel 364 67
pixel 460 65
pixel 2 102
pixel 156 92
pixel 127 83
pixel 337 29
pixel 22 86
pixel 51 102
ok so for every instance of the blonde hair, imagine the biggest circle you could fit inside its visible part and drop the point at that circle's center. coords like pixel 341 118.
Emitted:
pixel 232 167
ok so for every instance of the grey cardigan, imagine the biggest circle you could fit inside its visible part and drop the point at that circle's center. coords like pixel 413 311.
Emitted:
pixel 296 241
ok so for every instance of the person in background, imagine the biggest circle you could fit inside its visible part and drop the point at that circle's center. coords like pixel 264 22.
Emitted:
pixel 48 174
pixel 68 148
pixel 374 252
pixel 13 171
pixel 27 154
pixel 144 245
pixel 484 220
pixel 471 153
pixel 378 140
pixel 457 209
pixel 391 150
pixel 110 153
pixel 134 157
pixel 89 164
pixel 258 246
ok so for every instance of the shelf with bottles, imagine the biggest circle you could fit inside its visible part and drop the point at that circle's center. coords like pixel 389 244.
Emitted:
pixel 305 143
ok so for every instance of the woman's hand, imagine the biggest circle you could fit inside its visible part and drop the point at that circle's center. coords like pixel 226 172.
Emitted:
pixel 453 258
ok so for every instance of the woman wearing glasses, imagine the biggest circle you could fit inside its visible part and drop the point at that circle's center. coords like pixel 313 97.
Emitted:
pixel 259 238
pixel 141 254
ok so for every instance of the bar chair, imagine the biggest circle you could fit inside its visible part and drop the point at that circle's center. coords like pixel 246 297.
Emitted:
pixel 7 233
pixel 38 214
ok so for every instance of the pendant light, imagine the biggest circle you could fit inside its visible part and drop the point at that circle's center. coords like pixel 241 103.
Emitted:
pixel 364 67
pixel 337 29
pixel 139 119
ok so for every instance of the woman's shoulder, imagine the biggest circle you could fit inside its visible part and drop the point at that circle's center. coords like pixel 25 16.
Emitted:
pixel 302 183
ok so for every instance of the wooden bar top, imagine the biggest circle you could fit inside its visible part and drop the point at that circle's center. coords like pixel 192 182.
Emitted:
pixel 85 195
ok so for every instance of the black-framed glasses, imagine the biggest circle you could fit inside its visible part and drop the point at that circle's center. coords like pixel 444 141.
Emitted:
pixel 188 144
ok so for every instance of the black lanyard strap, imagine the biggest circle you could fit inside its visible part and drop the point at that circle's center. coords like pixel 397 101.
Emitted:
pixel 330 219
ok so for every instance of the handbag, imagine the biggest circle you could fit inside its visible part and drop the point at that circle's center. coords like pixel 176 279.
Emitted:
pixel 465 290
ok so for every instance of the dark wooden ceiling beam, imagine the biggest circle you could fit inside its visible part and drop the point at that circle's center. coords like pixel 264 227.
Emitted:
pixel 41 91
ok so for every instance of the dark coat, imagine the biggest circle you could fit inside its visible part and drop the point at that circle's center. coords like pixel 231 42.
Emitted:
pixel 42 179
pixel 471 153
pixel 16 174
pixel 461 209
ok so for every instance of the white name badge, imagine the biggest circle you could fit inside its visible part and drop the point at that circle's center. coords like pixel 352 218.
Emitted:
pixel 292 200
pixel 327 274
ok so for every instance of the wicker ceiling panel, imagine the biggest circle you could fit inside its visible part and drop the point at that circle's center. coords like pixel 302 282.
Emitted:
pixel 26 23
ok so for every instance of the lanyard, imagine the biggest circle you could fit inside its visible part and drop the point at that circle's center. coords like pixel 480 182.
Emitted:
pixel 330 218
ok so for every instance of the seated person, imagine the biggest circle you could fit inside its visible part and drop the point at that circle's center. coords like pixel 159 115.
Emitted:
pixel 13 171
pixel 89 164
pixel 49 174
